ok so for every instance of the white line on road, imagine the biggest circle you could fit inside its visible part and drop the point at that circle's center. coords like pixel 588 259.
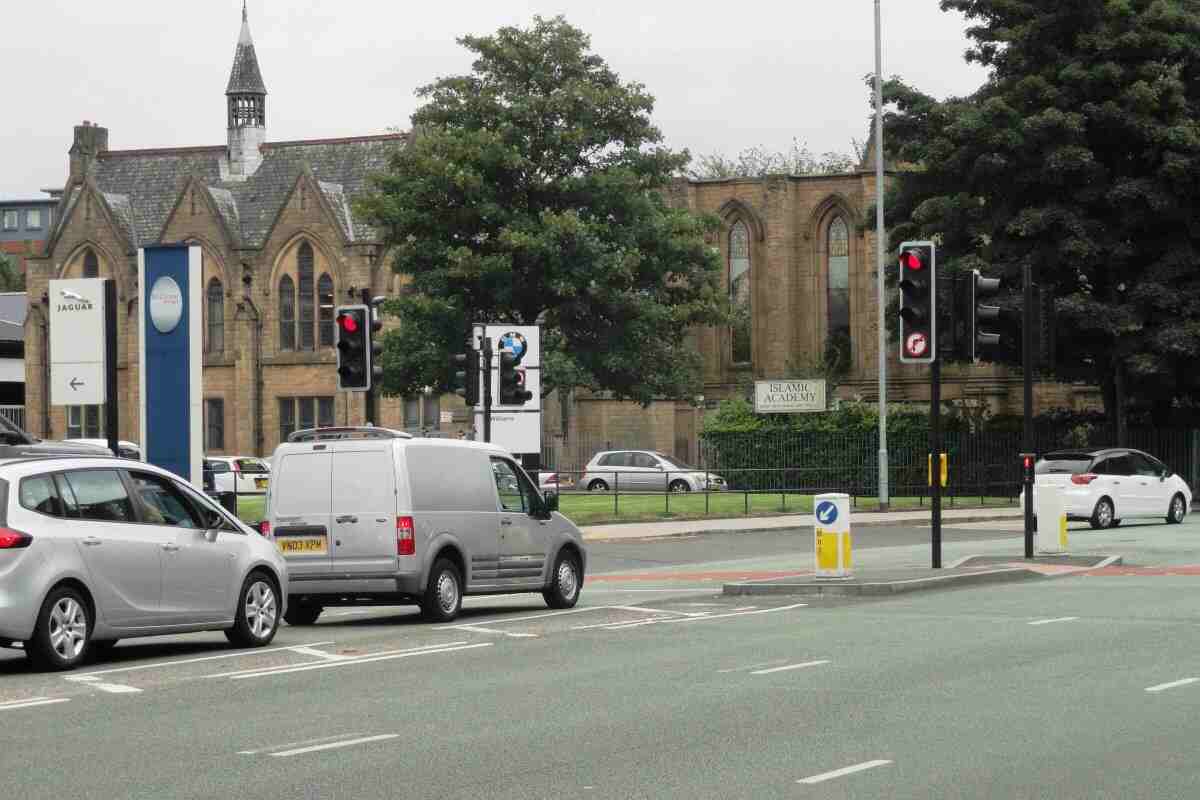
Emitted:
pixel 615 625
pixel 663 611
pixel 523 619
pixel 31 702
pixel 789 667
pixel 1051 621
pixel 349 662
pixel 290 745
pixel 739 613
pixel 305 650
pixel 334 745
pixel 477 629
pixel 838 773
pixel 93 682
pixel 158 664
pixel 277 667
pixel 750 666
pixel 1162 687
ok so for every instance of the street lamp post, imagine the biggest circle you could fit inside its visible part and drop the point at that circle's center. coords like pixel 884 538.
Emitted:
pixel 880 244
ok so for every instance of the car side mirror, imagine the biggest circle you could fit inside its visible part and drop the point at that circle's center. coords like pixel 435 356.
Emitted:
pixel 551 498
pixel 210 535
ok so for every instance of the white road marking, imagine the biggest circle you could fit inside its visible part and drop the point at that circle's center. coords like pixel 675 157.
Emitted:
pixel 334 745
pixel 290 745
pixel 158 664
pixel 1051 621
pixel 702 605
pixel 275 667
pixel 305 650
pixel 750 666
pixel 739 613
pixel 789 667
pixel 630 591
pixel 477 629
pixel 615 625
pixel 500 620
pixel 663 611
pixel 745 608
pixel 349 662
pixel 31 702
pixel 93 682
pixel 838 773
pixel 1162 687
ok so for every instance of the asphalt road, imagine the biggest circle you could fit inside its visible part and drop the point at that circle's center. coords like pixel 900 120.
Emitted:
pixel 656 686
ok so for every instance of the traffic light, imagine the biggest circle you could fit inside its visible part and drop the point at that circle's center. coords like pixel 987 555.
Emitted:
pixel 374 344
pixel 353 348
pixel 918 302
pixel 512 381
pixel 464 375
pixel 976 315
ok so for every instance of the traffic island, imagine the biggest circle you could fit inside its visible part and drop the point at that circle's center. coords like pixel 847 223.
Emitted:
pixel 966 572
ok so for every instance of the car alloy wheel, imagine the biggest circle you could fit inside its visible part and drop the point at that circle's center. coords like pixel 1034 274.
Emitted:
pixel 680 487
pixel 68 628
pixel 1102 517
pixel 1178 510
pixel 261 609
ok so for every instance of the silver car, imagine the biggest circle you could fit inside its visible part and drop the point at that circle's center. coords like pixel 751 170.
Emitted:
pixel 95 549
pixel 646 471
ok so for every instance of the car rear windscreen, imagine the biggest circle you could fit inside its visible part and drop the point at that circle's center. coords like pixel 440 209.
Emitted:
pixel 1063 464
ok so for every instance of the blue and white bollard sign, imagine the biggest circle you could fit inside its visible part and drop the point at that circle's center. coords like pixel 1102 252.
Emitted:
pixel 831 535
pixel 170 358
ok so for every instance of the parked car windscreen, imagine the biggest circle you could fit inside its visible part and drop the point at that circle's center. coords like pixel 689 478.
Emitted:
pixel 1063 464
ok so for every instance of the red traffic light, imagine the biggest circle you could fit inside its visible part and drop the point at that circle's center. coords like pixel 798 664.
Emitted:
pixel 348 323
pixel 910 259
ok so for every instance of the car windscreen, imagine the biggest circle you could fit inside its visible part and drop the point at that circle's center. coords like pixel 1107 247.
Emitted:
pixel 1063 464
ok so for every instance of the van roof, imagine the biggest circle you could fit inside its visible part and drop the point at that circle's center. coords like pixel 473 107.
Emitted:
pixel 404 440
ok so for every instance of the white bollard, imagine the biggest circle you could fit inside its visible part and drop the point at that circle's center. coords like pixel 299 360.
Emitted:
pixel 1051 520
pixel 831 535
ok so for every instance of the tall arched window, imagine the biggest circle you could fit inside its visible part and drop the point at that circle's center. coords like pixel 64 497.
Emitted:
pixel 325 309
pixel 739 292
pixel 304 281
pixel 91 264
pixel 215 317
pixel 837 345
pixel 287 313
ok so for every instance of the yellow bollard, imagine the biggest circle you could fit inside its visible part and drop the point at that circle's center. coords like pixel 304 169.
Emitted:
pixel 832 541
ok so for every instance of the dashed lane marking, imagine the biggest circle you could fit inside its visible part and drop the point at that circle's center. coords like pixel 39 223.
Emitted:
pixel 478 629
pixel 94 682
pixel 1052 621
pixel 844 771
pixel 1162 687
pixel 334 745
pixel 178 662
pixel 13 705
pixel 789 667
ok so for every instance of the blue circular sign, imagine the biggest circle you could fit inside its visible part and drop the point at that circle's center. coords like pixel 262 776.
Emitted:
pixel 826 512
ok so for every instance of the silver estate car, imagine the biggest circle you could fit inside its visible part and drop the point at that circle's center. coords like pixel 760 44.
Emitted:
pixel 646 471
pixel 96 549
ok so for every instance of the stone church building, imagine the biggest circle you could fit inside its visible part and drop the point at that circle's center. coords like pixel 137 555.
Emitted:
pixel 282 245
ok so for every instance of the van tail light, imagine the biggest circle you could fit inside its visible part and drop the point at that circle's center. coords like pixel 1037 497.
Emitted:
pixel 1084 479
pixel 237 467
pixel 406 539
pixel 14 540
pixel 264 528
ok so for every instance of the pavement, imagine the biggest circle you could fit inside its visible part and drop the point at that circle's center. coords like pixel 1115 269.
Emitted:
pixel 658 686
pixel 647 530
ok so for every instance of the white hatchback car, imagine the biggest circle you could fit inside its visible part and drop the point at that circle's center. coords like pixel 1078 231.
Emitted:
pixel 1107 486
pixel 94 549
pixel 241 474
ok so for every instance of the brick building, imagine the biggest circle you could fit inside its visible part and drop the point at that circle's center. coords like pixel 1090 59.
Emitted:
pixel 281 245
pixel 24 224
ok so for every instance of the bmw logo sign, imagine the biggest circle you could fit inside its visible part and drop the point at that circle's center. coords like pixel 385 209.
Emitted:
pixel 514 343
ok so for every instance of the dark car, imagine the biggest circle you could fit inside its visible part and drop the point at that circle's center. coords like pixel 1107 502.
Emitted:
pixel 16 442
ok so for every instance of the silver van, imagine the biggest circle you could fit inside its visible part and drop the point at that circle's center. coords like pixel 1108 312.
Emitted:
pixel 374 516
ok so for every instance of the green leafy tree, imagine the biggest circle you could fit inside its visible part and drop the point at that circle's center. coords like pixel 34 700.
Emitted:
pixel 1080 157
pixel 533 192
pixel 11 279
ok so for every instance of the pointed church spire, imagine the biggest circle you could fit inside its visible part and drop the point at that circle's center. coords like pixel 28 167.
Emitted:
pixel 247 101
pixel 245 77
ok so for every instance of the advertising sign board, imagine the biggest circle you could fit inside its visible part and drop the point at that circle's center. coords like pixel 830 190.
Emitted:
pixel 77 342
pixel 789 396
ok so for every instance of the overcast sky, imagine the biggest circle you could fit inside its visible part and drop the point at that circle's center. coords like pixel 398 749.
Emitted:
pixel 725 76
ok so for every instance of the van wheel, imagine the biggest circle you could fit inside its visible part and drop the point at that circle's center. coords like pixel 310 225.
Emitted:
pixel 1177 511
pixel 597 486
pixel 302 614
pixel 257 615
pixel 61 639
pixel 1102 516
pixel 443 593
pixel 565 582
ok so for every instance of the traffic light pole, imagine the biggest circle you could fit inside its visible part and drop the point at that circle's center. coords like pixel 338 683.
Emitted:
pixel 486 350
pixel 935 458
pixel 1027 426
pixel 370 393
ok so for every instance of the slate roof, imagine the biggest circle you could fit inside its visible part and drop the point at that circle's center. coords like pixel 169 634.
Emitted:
pixel 142 186
pixel 245 77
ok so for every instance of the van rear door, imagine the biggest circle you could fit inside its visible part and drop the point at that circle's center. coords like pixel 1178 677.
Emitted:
pixel 300 495
pixel 364 509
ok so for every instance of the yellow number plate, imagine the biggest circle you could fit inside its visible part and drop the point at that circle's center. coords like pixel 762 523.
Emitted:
pixel 302 545
pixel 260 483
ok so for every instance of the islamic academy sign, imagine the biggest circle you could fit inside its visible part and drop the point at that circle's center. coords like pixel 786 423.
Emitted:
pixel 789 397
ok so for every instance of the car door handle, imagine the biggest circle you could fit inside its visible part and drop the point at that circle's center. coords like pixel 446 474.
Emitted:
pixel 347 518
pixel 92 541
pixel 506 522
pixel 170 547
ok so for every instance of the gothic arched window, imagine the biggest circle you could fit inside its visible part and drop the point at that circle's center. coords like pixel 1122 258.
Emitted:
pixel 91 264
pixel 325 309
pixel 304 281
pixel 287 313
pixel 739 293
pixel 837 345
pixel 215 317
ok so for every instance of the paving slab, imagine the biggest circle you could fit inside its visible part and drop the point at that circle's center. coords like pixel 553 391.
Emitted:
pixel 971 570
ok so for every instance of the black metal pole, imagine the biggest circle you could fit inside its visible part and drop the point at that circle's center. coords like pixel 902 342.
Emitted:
pixel 110 367
pixel 487 388
pixel 935 459
pixel 1027 424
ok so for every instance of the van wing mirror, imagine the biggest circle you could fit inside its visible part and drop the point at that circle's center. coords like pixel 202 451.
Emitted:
pixel 551 498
